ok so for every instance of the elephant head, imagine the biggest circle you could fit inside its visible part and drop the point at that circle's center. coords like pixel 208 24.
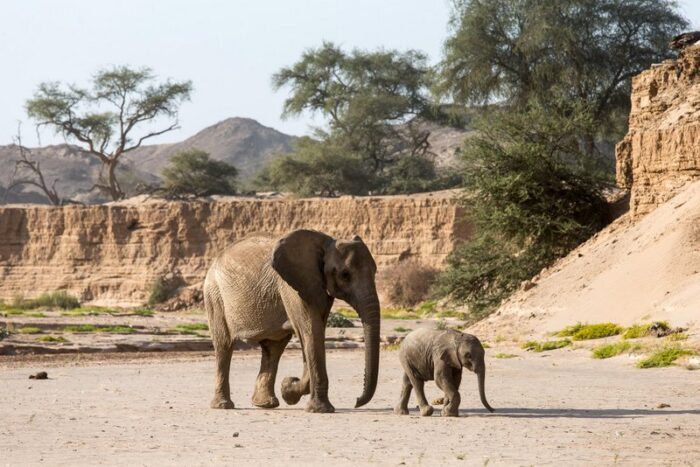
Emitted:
pixel 320 269
pixel 469 353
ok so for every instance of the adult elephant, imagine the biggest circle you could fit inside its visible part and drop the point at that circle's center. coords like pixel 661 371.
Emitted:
pixel 261 290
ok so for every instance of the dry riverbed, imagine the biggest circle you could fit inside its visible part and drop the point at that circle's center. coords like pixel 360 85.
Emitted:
pixel 554 408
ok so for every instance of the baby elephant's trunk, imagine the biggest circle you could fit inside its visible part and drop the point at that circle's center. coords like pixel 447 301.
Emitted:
pixel 481 375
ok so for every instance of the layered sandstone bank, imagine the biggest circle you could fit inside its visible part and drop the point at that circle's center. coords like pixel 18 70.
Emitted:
pixel 114 253
pixel 661 152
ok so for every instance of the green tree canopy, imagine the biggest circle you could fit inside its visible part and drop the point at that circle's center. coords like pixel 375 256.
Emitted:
pixel 516 51
pixel 372 102
pixel 192 173
pixel 113 117
pixel 532 196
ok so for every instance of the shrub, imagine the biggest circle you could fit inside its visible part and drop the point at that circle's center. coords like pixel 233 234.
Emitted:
pixel 581 332
pixel 642 330
pixel 545 346
pixel 58 299
pixel 664 357
pixel 163 288
pixel 408 283
pixel 53 339
pixel 4 333
pixel 611 350
pixel 336 320
pixel 441 325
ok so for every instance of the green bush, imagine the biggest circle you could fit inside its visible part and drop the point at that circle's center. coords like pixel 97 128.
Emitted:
pixel 611 350
pixel 192 173
pixel 533 193
pixel 580 332
pixel 642 330
pixel 336 320
pixel 163 289
pixel 664 357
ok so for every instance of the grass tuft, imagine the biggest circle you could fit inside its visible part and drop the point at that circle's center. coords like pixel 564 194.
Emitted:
pixel 664 357
pixel 142 312
pixel 642 330
pixel 402 329
pixel 55 339
pixel 84 328
pixel 504 355
pixel 545 346
pixel 191 328
pixel 29 330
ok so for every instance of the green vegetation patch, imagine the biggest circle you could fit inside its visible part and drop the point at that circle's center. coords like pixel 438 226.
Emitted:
pixel 642 330
pixel 191 328
pixel 611 350
pixel 393 347
pixel 664 357
pixel 677 336
pixel 53 339
pixel 545 346
pixel 402 329
pixel 85 328
pixel 90 311
pixel 143 312
pixel 336 320
pixel 29 330
pixel 582 332
pixel 59 299
pixel 504 355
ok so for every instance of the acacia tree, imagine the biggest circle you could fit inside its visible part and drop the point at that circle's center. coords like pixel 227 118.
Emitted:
pixel 370 101
pixel 112 118
pixel 517 51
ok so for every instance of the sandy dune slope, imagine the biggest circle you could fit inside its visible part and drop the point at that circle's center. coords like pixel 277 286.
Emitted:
pixel 629 272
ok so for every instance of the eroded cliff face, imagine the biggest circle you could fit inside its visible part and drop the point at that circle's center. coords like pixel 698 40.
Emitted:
pixel 661 152
pixel 112 254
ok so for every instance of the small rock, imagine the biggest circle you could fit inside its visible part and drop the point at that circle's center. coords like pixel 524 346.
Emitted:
pixel 663 406
pixel 235 434
pixel 40 375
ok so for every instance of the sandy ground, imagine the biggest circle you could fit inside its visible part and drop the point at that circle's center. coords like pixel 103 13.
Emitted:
pixel 561 408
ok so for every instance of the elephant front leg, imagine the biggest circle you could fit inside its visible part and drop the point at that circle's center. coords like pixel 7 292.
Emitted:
pixel 402 407
pixel 264 395
pixel 315 351
pixel 446 380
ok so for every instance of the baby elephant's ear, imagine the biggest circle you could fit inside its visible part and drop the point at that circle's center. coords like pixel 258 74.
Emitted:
pixel 298 259
pixel 449 356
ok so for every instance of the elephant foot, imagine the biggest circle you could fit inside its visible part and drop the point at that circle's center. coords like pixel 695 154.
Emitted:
pixel 319 406
pixel 398 410
pixel 449 412
pixel 221 403
pixel 290 391
pixel 426 411
pixel 266 402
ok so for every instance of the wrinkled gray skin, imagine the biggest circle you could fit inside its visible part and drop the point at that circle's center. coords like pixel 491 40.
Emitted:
pixel 261 289
pixel 427 355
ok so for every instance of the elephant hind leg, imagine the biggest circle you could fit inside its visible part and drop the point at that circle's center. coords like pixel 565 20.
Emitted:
pixel 223 346
pixel 264 395
pixel 402 407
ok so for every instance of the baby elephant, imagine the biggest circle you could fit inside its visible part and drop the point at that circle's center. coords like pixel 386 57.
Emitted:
pixel 428 354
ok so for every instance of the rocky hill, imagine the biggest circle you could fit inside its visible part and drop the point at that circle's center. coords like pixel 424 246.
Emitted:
pixel 242 142
pixel 113 253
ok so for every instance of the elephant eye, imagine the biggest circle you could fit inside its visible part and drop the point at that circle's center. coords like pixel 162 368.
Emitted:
pixel 345 275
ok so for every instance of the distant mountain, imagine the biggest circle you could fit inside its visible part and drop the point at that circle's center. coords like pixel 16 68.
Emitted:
pixel 242 142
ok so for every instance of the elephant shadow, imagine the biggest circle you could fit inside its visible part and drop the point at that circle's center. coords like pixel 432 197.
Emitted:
pixel 524 412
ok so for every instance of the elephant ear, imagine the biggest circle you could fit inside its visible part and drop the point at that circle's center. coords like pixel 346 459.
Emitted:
pixel 298 259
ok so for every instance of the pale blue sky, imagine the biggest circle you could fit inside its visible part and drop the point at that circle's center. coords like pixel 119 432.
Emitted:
pixel 229 49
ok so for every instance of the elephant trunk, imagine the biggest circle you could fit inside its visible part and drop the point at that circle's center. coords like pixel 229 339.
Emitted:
pixel 368 310
pixel 481 375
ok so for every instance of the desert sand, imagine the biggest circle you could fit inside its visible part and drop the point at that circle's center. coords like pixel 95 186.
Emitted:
pixel 558 408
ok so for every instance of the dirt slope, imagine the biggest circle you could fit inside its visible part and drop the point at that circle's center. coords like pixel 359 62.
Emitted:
pixel 629 272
